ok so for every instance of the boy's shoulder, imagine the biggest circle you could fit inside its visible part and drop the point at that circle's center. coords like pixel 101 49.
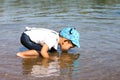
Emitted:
pixel 39 29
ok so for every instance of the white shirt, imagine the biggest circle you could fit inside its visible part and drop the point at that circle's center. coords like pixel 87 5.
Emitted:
pixel 44 36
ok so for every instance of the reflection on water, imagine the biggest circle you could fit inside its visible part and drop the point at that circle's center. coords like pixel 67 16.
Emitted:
pixel 45 68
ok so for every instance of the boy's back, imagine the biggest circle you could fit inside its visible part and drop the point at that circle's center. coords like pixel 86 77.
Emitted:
pixel 41 36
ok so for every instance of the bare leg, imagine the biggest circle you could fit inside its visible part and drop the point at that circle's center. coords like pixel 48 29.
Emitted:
pixel 28 54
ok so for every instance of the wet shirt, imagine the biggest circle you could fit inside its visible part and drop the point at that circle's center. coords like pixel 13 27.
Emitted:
pixel 44 36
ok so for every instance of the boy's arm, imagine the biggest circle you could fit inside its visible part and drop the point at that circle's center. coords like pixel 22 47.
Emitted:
pixel 44 51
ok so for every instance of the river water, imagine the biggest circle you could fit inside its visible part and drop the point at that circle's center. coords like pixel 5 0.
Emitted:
pixel 98 22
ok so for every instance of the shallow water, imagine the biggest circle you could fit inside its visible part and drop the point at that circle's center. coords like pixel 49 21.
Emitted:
pixel 97 21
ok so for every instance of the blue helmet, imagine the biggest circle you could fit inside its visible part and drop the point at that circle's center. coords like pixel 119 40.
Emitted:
pixel 71 34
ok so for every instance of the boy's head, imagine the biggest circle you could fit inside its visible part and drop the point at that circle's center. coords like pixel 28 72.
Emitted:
pixel 71 38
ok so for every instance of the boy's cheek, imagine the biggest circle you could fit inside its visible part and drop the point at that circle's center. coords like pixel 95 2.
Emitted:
pixel 64 48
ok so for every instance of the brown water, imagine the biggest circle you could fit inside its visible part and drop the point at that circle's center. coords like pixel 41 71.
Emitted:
pixel 97 21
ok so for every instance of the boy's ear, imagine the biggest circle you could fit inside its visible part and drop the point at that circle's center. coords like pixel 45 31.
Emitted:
pixel 65 40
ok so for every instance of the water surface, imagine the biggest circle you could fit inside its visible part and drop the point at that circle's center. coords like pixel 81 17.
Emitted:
pixel 98 22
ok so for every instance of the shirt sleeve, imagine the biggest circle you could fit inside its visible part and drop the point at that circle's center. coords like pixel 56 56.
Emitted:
pixel 50 42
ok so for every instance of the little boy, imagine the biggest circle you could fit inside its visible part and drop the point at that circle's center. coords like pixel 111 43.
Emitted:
pixel 39 41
